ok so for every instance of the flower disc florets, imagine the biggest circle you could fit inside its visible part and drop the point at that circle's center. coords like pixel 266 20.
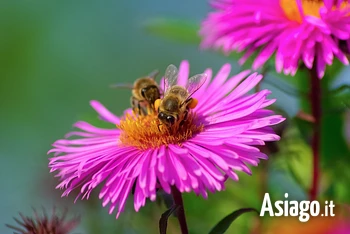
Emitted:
pixel 310 8
pixel 145 132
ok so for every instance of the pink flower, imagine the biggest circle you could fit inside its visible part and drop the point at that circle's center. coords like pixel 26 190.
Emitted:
pixel 309 31
pixel 218 139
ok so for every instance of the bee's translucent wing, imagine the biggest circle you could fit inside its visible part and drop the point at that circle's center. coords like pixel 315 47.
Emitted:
pixel 127 86
pixel 170 77
pixel 194 83
pixel 153 74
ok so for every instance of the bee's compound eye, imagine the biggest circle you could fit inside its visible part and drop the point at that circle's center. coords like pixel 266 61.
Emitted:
pixel 161 115
pixel 143 92
pixel 170 119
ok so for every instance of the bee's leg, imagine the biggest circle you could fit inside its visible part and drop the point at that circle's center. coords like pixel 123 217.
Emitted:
pixel 139 107
pixel 159 127
pixel 185 118
pixel 188 100
pixel 186 115
pixel 133 102
pixel 150 109
pixel 143 109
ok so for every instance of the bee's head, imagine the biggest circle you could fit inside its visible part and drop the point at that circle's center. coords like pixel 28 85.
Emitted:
pixel 150 93
pixel 144 92
pixel 167 119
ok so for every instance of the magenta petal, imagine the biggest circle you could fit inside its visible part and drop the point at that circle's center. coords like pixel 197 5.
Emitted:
pixel 104 113
pixel 183 73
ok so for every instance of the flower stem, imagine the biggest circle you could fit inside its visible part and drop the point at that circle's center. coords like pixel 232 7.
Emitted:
pixel 180 211
pixel 315 101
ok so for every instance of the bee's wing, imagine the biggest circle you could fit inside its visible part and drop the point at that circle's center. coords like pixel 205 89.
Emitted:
pixel 194 83
pixel 153 74
pixel 121 85
pixel 170 77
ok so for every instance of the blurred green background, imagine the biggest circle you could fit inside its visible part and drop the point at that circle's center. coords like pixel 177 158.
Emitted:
pixel 56 56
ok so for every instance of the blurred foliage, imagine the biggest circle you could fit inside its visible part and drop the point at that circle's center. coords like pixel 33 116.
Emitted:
pixel 178 30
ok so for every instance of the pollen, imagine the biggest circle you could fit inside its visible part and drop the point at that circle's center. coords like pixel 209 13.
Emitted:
pixel 193 103
pixel 310 8
pixel 147 132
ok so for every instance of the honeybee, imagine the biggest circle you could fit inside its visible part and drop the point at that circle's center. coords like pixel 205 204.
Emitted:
pixel 177 101
pixel 145 91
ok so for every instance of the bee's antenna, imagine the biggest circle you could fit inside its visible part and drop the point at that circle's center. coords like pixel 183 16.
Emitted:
pixel 127 86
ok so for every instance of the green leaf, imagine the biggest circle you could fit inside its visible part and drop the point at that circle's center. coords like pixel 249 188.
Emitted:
pixel 333 71
pixel 290 170
pixel 178 30
pixel 225 223
pixel 340 100
pixel 282 85
pixel 166 198
pixel 163 221
pixel 333 145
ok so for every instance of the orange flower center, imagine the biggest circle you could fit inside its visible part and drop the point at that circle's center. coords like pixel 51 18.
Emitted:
pixel 145 132
pixel 310 8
